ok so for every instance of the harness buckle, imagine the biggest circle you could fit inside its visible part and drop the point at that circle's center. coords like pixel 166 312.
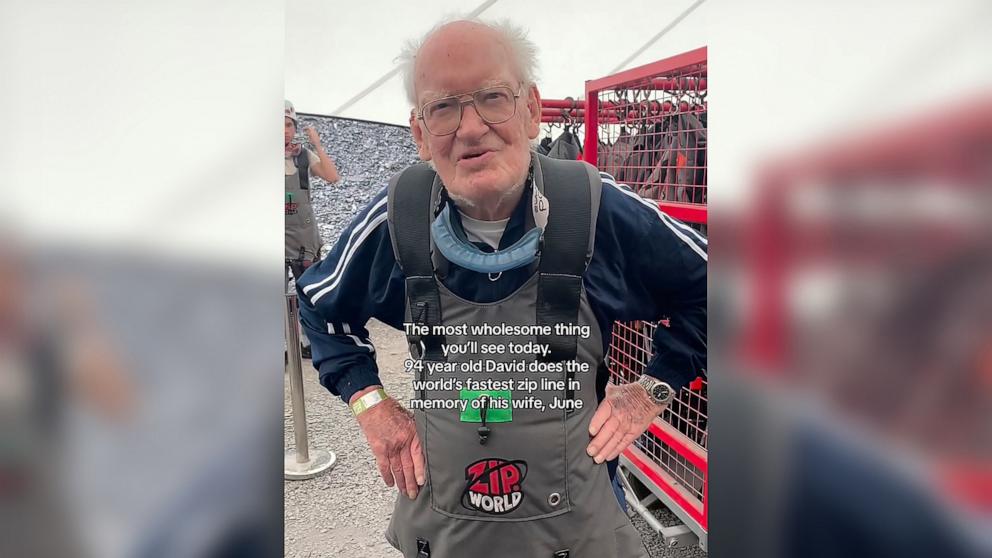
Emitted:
pixel 417 346
pixel 424 548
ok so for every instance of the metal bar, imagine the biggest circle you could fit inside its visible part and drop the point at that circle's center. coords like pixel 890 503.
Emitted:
pixel 559 120
pixel 591 151
pixel 652 70
pixel 296 379
pixel 640 508
pixel 684 84
pixel 706 497
pixel 558 112
pixel 653 477
pixel 563 103
pixel 682 445
pixel 694 213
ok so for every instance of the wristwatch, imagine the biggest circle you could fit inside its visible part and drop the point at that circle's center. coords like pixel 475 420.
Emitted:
pixel 659 392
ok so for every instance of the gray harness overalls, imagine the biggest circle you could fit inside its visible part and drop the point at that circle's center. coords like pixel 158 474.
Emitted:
pixel 517 483
pixel 302 235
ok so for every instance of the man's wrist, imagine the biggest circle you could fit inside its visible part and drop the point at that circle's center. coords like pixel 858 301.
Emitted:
pixel 660 393
pixel 367 398
pixel 355 380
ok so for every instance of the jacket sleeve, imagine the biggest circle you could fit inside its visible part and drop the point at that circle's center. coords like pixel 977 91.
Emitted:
pixel 664 270
pixel 357 281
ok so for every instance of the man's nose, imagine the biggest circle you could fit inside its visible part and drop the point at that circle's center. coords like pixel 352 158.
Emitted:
pixel 472 125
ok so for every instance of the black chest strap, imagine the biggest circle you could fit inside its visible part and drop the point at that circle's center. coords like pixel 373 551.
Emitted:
pixel 302 160
pixel 573 191
pixel 410 214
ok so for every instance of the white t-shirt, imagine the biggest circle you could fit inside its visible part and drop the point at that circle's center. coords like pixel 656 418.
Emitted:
pixel 291 165
pixel 489 232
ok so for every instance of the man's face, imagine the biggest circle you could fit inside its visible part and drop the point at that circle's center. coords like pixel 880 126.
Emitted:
pixel 290 130
pixel 479 161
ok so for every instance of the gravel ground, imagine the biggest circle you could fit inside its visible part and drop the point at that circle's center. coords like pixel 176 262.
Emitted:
pixel 367 154
pixel 344 513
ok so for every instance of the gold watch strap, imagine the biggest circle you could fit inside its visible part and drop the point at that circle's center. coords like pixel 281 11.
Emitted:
pixel 369 400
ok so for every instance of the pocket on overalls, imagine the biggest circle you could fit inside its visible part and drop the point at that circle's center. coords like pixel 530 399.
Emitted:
pixel 512 468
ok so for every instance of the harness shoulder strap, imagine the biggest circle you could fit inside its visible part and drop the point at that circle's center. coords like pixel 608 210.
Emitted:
pixel 410 211
pixel 573 189
pixel 302 160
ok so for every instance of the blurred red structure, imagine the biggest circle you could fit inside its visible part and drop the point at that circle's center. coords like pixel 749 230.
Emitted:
pixel 892 226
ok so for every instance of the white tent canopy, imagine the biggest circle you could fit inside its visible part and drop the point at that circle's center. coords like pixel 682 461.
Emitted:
pixel 332 55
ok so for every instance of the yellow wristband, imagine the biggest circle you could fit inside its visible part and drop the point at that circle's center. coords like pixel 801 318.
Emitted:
pixel 369 400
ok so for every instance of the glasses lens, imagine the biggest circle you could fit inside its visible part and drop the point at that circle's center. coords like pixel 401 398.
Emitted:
pixel 442 116
pixel 495 105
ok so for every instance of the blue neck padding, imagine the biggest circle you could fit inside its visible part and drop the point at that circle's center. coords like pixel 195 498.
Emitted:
pixel 463 253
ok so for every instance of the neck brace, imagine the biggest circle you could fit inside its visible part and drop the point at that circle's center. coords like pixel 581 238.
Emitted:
pixel 457 249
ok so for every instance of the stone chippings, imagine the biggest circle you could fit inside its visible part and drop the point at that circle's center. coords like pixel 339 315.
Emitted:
pixel 367 154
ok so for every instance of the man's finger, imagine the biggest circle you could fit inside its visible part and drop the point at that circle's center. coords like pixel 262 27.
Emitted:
pixel 600 440
pixel 609 448
pixel 387 475
pixel 397 469
pixel 411 482
pixel 623 427
pixel 599 417
pixel 624 444
pixel 417 454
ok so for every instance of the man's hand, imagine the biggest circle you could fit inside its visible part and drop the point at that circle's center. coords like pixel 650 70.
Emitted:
pixel 312 135
pixel 392 436
pixel 624 414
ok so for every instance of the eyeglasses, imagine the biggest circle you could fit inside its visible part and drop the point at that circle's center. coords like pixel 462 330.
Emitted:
pixel 495 105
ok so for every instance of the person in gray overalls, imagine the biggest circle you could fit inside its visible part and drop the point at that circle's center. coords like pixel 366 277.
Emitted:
pixel 494 236
pixel 302 237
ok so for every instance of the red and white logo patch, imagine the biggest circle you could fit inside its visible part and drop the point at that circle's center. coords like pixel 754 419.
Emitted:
pixel 494 485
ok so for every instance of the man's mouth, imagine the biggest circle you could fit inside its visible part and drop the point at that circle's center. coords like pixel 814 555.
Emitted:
pixel 473 154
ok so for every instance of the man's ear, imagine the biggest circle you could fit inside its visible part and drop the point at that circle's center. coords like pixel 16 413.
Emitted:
pixel 418 137
pixel 534 106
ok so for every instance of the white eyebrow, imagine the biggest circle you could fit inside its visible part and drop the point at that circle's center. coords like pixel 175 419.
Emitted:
pixel 431 96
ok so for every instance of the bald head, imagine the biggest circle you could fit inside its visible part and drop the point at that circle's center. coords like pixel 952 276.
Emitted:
pixel 458 49
pixel 511 39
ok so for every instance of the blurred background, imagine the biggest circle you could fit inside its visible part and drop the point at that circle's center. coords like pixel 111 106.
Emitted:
pixel 850 170
pixel 141 336
pixel 850 299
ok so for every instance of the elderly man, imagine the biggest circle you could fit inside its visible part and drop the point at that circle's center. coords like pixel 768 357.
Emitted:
pixel 483 257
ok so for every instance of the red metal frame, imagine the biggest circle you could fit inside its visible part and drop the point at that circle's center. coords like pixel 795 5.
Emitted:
pixel 666 455
pixel 687 73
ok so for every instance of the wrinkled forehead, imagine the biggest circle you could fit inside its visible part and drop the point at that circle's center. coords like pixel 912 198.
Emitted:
pixel 428 95
pixel 456 62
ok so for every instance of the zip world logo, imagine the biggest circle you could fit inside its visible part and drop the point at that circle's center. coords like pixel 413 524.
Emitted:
pixel 494 485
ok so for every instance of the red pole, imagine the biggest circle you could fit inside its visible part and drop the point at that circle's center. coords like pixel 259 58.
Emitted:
pixel 590 152
pixel 562 103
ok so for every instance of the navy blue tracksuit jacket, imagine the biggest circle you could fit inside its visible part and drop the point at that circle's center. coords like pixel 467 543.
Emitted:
pixel 645 266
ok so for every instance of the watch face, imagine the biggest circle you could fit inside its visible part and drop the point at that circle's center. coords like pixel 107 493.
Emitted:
pixel 661 392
